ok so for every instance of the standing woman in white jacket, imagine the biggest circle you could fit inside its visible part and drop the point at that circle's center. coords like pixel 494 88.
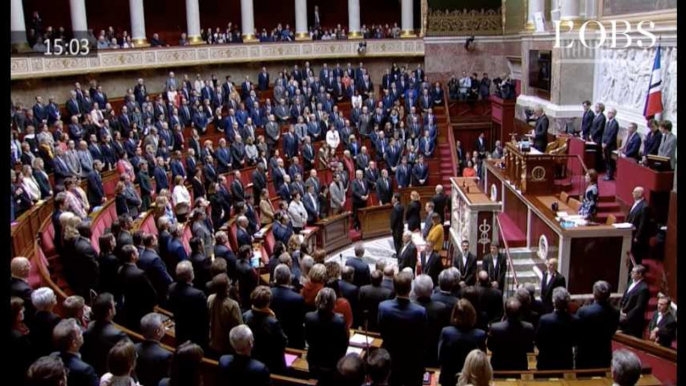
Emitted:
pixel 297 212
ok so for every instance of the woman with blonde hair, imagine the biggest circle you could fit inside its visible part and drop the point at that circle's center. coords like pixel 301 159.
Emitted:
pixel 180 193
pixel 412 214
pixel 317 276
pixel 477 370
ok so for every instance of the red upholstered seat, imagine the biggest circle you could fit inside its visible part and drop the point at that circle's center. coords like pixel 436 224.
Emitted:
pixel 233 240
pixel 35 279
pixel 47 238
pixel 187 237
pixel 269 242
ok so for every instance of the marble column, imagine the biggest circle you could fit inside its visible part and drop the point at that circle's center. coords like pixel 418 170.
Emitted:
pixel 193 22
pixel 591 9
pixel 354 19
pixel 79 22
pixel 301 31
pixel 534 6
pixel 138 23
pixel 570 10
pixel 247 21
pixel 18 26
pixel 407 19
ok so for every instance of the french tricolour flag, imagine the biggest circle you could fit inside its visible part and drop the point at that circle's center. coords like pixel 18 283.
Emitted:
pixel 654 98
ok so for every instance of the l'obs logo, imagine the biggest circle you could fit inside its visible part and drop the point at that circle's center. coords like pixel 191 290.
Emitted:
pixel 602 36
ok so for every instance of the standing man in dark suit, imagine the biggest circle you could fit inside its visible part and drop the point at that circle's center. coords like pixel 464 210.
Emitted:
pixel 403 329
pixel 438 317
pixel 598 323
pixel 397 225
pixel 440 201
pixel 189 306
pixel 632 146
pixel 597 130
pixel 371 295
pixel 96 191
pixel 541 129
pixel 634 304
pixel 662 327
pixel 465 262
pixel 431 262
pixel 154 267
pixel 68 341
pixel 263 80
pixel 384 188
pixel 407 256
pixel 639 217
pixel 556 335
pixel 362 275
pixel 240 368
pixel 510 340
pixel 139 295
pixel 495 264
pixel 480 145
pixel 101 335
pixel 153 361
pixel 360 196
pixel 551 280
pixel 587 120
pixel 289 307
pixel 490 299
pixel 610 144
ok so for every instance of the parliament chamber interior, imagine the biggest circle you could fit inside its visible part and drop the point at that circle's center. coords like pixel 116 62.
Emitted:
pixel 387 192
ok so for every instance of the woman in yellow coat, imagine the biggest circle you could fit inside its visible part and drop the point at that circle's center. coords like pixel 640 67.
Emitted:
pixel 436 233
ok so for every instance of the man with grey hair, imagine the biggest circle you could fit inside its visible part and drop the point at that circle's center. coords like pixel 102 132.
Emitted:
pixel 41 325
pixel 448 282
pixel 407 257
pixel 288 306
pixel 242 235
pixel 599 322
pixel 632 144
pixel 556 335
pixel 609 144
pixel 189 306
pixel 21 268
pixel 626 368
pixel 240 368
pixel 441 201
pixel 68 340
pixel 438 315
pixel 362 274
pixel 153 361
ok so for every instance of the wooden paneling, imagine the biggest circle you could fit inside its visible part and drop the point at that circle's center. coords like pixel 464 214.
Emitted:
pixel 516 210
pixel 334 232
pixel 375 221
pixel 671 248
pixel 593 259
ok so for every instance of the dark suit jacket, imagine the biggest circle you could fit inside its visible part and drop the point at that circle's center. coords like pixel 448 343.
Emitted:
pixel 81 267
pixel 289 307
pixel 440 202
pixel 153 362
pixel 633 147
pixel 491 302
pixel 95 189
pixel 40 332
pixel 384 192
pixel 586 122
pixel 498 272
pixel 189 306
pixel 80 372
pixel 351 293
pixel 362 274
pixel 634 305
pixel 270 340
pixel 468 270
pixel 397 220
pixel 224 252
pixel 555 338
pixel 666 328
pixel 403 327
pixel 597 128
pixel 327 339
pixel 610 135
pixel 541 133
pixel 156 271
pixel 359 190
pixel 369 300
pixel 639 217
pixel 140 296
pixel 594 346
pixel 242 370
pixel 558 280
pixel 432 265
pixel 243 237
pixel 408 257
pixel 509 342
pixel 438 316
pixel 98 339
pixel 453 347
pixel 21 289
pixel 412 215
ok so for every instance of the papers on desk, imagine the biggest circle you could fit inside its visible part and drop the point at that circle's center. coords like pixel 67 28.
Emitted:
pixel 562 214
pixel 307 231
pixel 290 359
pixel 361 340
pixel 353 350
pixel 623 225
pixel 571 221
pixel 260 234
